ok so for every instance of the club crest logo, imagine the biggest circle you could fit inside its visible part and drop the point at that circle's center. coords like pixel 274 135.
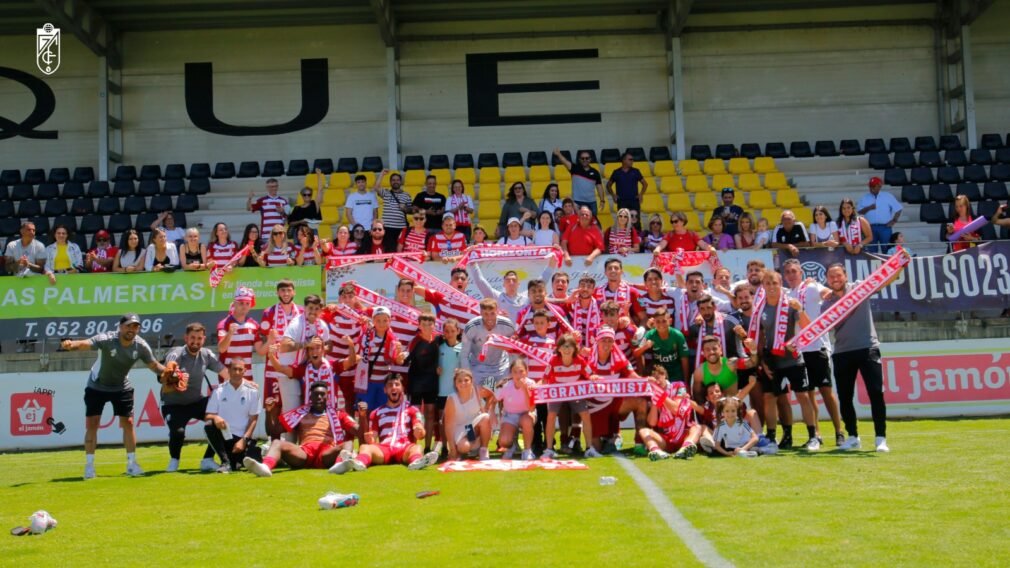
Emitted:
pixel 47 48
pixel 815 270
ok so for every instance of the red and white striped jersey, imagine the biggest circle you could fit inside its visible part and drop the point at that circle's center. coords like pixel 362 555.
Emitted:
pixel 271 212
pixel 278 256
pixel 242 342
pixel 394 425
pixel 377 352
pixel 537 370
pixel 626 296
pixel 447 309
pixel 561 373
pixel 618 238
pixel 623 337
pixel 413 240
pixel 456 202
pixel 667 299
pixel 525 323
pixel 336 250
pixel 325 372
pixel 308 260
pixel 221 253
pixel 447 246
pixel 339 327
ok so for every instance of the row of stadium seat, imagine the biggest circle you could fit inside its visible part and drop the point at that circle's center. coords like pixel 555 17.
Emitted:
pixel 935 212
pixel 848 147
pixel 88 224
pixel 132 205
pixel 98 189
pixel 946 174
pixel 932 158
pixel 943 193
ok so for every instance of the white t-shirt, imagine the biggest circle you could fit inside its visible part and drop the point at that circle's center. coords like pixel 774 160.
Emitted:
pixel 821 235
pixel 235 406
pixel 732 437
pixel 301 331
pixel 544 237
pixel 362 207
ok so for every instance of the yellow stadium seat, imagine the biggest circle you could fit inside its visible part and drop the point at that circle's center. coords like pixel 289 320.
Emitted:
pixel 325 231
pixel 739 166
pixel 689 168
pixel 413 190
pixel 331 214
pixel 761 199
pixel 787 198
pixel 466 175
pixel 776 180
pixel 489 175
pixel 649 180
pixel 774 216
pixel 764 165
pixel 540 173
pixel 722 180
pixel 697 183
pixel 664 168
pixel 564 186
pixel 489 192
pixel 750 182
pixel 653 203
pixel 714 166
pixel 340 180
pixel 442 176
pixel 609 169
pixel 804 215
pixel 644 168
pixel 679 202
pixel 706 217
pixel 414 177
pixel 693 223
pixel 562 173
pixel 489 208
pixel 537 189
pixel 606 218
pixel 310 181
pixel 671 184
pixel 514 174
pixel 705 201
pixel 334 196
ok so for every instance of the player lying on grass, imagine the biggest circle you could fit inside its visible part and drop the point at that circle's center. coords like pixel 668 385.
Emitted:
pixel 322 432
pixel 672 427
pixel 394 430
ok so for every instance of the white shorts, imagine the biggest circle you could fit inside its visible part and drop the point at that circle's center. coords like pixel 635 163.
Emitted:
pixel 513 418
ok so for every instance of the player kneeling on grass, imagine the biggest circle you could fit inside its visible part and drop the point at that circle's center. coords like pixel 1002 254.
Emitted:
pixel 518 408
pixel 672 426
pixel 467 422
pixel 733 436
pixel 232 412
pixel 322 432
pixel 394 430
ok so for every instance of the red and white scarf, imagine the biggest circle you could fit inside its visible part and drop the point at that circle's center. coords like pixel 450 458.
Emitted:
pixel 851 300
pixel 718 330
pixel 673 262
pixel 339 261
pixel 361 374
pixel 622 296
pixel 683 313
pixel 406 270
pixel 456 202
pixel 281 319
pixel 334 396
pixel 292 418
pixel 487 252
pixel 781 326
pixel 512 346
pixel 757 307
pixel 371 298
pixel 852 233
pixel 219 272
pixel 554 310
pixel 586 320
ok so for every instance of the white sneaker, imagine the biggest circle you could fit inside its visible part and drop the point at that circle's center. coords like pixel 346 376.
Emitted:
pixel 658 454
pixel 208 465
pixel 528 455
pixel 173 466
pixel 438 448
pixel 430 458
pixel 89 472
pixel 484 454
pixel 747 454
pixel 881 443
pixel 225 468
pixel 851 443
pixel 345 455
pixel 338 500
pixel 548 454
pixel 342 467
pixel 260 469
pixel 592 453
pixel 812 445
pixel 134 470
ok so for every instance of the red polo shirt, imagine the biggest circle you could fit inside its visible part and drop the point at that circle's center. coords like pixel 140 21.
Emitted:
pixel 582 241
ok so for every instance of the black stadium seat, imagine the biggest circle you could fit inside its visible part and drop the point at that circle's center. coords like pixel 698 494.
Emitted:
pixel 987 208
pixel 895 176
pixel 22 191
pixel 35 176
pixel 776 150
pixel 657 153
pixel 223 170
pixel 955 158
pixel 913 194
pixel 10 177
pixel 41 226
pixel 409 163
pixel 134 205
pixel 72 190
pixel 123 188
pixel 905 160
pixel 199 187
pixel 108 205
pixel 174 171
pixel 180 218
pixel 948 174
pixel 9 227
pixel 119 223
pixel 68 221
pixel 173 187
pixel 537 158
pixel 324 165
pixel 6 209
pixel 940 192
pixel 91 224
pixel 298 167
pixel 950 142
pixel 725 151
pixel 511 159
pixel 555 161
pixel 850 147
pixel 187 203
pixel 880 161
pixel 932 213
pixel 825 148
pixel 899 144
pixel 975 173
pixel 47 191
pixel 925 144
pixel 610 155
pixel 29 208
pixel 55 207
pixel 992 141
pixel 980 156
pixel 273 168
pixel 82 206
pixel 637 153
pixel 1000 172
pixel 800 150
pixel 930 159
pixel 248 170
pixel 59 175
pixel 922 176
pixel 150 171
pixel 438 162
pixel 80 240
pixel 128 173
pixel 462 161
pixel 85 174
pixel 4 194
pixel 200 170
pixel 995 190
pixel 160 203
pixel 371 164
pixel 487 160
pixel 144 220
pixel 699 152
pixel 874 145
pixel 969 190
pixel 750 150
pixel 1002 156
pixel 98 189
pixel 149 187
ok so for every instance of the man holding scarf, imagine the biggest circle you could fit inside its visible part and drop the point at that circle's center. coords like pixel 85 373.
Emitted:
pixel 494 367
pixel 273 323
pixel 379 350
pixel 238 334
pixel 711 323
pixel 302 329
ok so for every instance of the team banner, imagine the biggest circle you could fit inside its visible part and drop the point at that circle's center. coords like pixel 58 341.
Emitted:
pixel 563 392
pixel 510 465
pixel 338 261
pixel 82 305
pixel 673 262
pixel 974 279
pixel 504 252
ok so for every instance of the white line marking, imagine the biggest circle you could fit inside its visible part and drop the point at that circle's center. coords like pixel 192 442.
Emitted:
pixel 683 528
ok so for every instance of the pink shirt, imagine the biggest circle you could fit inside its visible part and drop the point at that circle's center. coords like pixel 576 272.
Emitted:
pixel 514 399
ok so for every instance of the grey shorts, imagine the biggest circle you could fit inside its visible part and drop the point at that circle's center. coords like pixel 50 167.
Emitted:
pixel 576 406
pixel 513 418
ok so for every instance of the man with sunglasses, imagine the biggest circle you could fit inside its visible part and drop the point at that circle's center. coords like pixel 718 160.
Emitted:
pixel 396 205
pixel 99 259
pixel 587 185
pixel 627 178
pixel 433 205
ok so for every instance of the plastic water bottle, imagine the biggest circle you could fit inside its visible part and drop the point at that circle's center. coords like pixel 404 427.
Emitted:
pixel 618 442
pixel 608 480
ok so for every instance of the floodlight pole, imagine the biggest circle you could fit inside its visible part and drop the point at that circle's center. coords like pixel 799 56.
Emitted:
pixel 393 107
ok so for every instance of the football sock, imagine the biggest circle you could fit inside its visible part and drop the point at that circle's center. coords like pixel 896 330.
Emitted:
pixel 652 446
pixel 131 458
pixel 771 434
pixel 787 431
pixel 365 459
pixel 414 459
pixel 89 459
pixel 811 432
pixel 270 462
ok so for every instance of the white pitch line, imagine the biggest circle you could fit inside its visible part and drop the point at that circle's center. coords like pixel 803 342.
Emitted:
pixel 683 528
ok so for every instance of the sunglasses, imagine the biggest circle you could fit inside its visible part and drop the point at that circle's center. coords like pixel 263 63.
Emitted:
pixel 419 218
pixel 676 221
pixel 359 230
pixel 655 223
pixel 623 216
pixel 275 233
pixel 377 229
pixel 306 194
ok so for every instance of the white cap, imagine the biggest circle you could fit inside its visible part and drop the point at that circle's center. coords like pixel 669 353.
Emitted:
pixel 514 220
pixel 381 310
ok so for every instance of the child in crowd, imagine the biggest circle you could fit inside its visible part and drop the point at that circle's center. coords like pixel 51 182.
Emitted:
pixel 449 349
pixel 517 403
pixel 733 436
pixel 764 234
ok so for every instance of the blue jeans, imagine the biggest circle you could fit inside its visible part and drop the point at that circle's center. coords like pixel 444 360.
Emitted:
pixel 881 239
pixel 375 396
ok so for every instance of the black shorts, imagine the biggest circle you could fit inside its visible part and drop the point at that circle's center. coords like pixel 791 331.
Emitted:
pixel 744 376
pixel 94 402
pixel 178 415
pixel 818 370
pixel 440 402
pixel 428 397
pixel 796 377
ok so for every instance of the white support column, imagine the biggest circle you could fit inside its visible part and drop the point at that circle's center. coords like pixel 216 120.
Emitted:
pixel 676 91
pixel 393 107
pixel 103 119
pixel 110 118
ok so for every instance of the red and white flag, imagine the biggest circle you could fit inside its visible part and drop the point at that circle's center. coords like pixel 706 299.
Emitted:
pixel 219 272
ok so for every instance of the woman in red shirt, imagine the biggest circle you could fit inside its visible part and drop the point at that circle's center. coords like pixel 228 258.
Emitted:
pixel 962 216
pixel 567 215
pixel 680 237
pixel 414 239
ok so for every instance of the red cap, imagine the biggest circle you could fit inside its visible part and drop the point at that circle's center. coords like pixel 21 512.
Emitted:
pixel 102 234
pixel 876 181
